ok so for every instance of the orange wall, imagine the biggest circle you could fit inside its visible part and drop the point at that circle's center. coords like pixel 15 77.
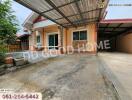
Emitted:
pixel 67 35
pixel 124 43
pixel 49 29
pixel 91 35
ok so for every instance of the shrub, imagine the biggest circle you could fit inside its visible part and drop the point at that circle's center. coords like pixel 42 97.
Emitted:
pixel 3 51
pixel 2 58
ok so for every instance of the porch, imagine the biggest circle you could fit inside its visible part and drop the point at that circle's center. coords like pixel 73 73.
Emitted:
pixel 55 39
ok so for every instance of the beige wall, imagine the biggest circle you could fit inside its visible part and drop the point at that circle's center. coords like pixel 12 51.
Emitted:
pixel 67 35
pixel 32 41
pixel 124 43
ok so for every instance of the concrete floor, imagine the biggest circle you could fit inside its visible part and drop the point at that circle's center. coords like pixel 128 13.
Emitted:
pixel 119 69
pixel 70 77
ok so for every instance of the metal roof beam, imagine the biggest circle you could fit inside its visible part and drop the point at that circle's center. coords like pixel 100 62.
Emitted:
pixel 61 13
pixel 106 26
pixel 114 27
pixel 78 14
pixel 108 31
pixel 82 24
pixel 117 27
pixel 99 18
pixel 125 31
pixel 26 5
pixel 79 10
pixel 86 19
pixel 101 9
pixel 61 5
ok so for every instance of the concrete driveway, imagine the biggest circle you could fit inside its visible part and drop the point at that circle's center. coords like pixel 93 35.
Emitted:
pixel 70 77
pixel 118 68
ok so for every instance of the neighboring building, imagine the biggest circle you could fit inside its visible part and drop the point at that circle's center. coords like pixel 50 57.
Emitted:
pixel 21 44
pixel 14 47
pixel 24 41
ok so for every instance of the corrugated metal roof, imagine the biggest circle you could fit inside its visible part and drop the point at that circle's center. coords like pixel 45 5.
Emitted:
pixel 114 27
pixel 67 12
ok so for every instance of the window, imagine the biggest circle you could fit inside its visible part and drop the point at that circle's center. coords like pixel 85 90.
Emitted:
pixel 80 35
pixel 38 39
pixel 76 35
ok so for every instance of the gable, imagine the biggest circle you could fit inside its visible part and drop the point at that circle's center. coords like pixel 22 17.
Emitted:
pixel 39 19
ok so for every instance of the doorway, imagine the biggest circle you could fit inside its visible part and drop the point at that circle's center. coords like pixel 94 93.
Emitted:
pixel 53 41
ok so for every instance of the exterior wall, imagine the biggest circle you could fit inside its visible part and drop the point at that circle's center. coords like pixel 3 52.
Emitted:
pixel 32 41
pixel 124 43
pixel 49 30
pixel 91 36
pixel 67 36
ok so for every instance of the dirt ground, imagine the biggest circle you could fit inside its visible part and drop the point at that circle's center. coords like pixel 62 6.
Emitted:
pixel 69 77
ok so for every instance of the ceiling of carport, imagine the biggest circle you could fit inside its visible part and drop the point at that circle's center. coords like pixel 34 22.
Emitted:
pixel 112 28
pixel 68 13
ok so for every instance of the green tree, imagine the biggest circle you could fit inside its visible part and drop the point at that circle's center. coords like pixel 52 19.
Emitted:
pixel 8 22
pixel 8 26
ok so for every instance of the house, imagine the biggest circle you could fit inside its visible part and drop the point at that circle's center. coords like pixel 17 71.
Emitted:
pixel 72 26
pixel 46 35
pixel 64 26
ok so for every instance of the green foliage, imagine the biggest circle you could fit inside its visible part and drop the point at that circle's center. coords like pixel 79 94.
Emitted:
pixel 3 50
pixel 8 27
pixel 2 57
pixel 8 22
pixel 3 47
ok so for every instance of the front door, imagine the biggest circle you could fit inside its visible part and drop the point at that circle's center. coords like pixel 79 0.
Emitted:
pixel 53 41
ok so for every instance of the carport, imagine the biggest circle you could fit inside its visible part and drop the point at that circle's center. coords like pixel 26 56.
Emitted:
pixel 116 61
pixel 75 13
pixel 68 13
pixel 119 32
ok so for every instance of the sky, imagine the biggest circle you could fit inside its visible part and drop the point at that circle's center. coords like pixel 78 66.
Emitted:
pixel 118 12
pixel 21 13
pixel 114 12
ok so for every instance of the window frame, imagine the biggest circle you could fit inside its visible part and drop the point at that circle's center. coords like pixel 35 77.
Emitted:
pixel 47 40
pixel 38 34
pixel 79 35
pixel 38 41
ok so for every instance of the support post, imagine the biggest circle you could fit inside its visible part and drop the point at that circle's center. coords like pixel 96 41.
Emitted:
pixel 61 39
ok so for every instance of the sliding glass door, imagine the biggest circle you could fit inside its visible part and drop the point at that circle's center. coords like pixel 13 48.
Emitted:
pixel 53 41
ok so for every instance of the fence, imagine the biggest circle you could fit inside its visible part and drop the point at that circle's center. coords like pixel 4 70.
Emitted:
pixel 18 46
pixel 13 48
